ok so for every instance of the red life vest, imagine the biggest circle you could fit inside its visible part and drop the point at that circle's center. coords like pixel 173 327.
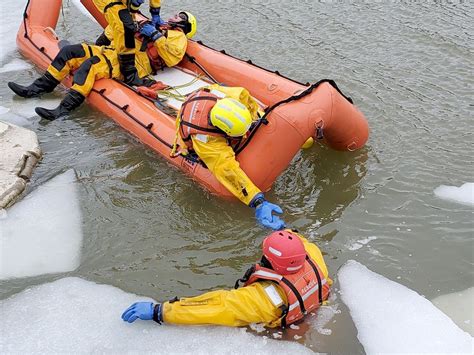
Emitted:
pixel 305 290
pixel 195 116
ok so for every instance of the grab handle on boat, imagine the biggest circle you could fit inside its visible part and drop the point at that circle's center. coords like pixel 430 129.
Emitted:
pixel 52 31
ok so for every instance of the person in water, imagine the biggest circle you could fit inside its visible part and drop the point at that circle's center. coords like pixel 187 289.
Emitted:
pixel 212 122
pixel 160 47
pixel 290 281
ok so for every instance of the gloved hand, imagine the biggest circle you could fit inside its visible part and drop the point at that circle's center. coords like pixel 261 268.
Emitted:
pixel 136 3
pixel 263 212
pixel 150 31
pixel 155 16
pixel 156 20
pixel 142 310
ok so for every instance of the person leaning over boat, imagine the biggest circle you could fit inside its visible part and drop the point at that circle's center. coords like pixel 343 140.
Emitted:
pixel 90 63
pixel 211 122
pixel 290 281
pixel 120 17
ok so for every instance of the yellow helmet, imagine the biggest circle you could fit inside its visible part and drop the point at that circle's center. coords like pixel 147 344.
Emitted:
pixel 191 27
pixel 232 117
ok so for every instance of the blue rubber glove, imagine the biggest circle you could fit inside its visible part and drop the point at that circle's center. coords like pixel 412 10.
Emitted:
pixel 156 20
pixel 142 310
pixel 150 31
pixel 264 212
pixel 137 3
pixel 155 16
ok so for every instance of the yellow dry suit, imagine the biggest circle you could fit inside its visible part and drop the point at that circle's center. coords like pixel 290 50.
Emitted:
pixel 214 150
pixel 119 16
pixel 259 302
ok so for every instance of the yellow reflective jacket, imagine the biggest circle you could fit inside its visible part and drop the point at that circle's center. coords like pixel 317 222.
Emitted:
pixel 240 307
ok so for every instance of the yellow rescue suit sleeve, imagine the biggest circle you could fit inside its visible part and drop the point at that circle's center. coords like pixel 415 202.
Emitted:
pixel 155 4
pixel 172 47
pixel 220 160
pixel 240 307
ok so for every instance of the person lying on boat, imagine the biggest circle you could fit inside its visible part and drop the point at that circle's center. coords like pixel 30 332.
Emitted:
pixel 91 63
pixel 120 17
pixel 211 123
pixel 290 281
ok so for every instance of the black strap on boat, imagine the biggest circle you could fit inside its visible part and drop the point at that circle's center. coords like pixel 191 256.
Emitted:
pixel 193 60
pixel 296 97
pixel 320 284
pixel 25 16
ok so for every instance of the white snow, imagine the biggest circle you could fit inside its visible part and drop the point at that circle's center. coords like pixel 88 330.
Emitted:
pixel 15 65
pixel 74 316
pixel 459 306
pixel 9 27
pixel 463 194
pixel 42 233
pixel 82 9
pixel 391 318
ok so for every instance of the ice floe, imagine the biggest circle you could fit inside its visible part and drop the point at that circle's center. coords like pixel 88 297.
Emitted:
pixel 15 65
pixel 360 243
pixel 73 316
pixel 391 318
pixel 43 232
pixel 463 194
pixel 9 27
pixel 3 110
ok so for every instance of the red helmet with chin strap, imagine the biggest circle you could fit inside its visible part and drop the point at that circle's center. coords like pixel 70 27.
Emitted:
pixel 285 252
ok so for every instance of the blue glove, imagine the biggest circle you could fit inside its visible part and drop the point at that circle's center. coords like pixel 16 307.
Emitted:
pixel 150 31
pixel 263 212
pixel 155 16
pixel 156 20
pixel 144 311
pixel 137 3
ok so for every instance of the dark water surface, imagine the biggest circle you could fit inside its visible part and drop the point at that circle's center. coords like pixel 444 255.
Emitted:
pixel 150 230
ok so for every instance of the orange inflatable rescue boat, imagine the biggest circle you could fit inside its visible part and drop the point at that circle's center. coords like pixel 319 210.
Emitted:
pixel 294 112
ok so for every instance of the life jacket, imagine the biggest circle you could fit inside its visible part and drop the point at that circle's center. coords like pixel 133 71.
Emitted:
pixel 195 116
pixel 305 290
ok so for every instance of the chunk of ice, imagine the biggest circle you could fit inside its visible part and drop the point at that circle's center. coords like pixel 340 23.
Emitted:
pixel 391 318
pixel 463 194
pixel 74 316
pixel 15 65
pixel 42 233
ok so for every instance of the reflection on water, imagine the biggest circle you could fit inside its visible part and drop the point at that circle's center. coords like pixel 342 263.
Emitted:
pixel 150 230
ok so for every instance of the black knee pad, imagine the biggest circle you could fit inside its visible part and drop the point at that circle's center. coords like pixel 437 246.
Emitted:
pixel 81 74
pixel 67 53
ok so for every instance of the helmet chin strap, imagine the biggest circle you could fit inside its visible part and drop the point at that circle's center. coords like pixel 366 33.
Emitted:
pixel 265 263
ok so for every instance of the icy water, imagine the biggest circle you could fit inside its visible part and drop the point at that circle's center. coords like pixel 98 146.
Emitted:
pixel 408 66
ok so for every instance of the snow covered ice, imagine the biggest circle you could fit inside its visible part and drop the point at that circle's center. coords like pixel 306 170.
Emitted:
pixel 391 318
pixel 463 194
pixel 43 232
pixel 73 315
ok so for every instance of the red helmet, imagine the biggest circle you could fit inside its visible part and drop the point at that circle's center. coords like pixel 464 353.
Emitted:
pixel 285 252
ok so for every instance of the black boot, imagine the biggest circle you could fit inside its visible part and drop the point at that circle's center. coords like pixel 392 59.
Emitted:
pixel 43 84
pixel 72 101
pixel 130 73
